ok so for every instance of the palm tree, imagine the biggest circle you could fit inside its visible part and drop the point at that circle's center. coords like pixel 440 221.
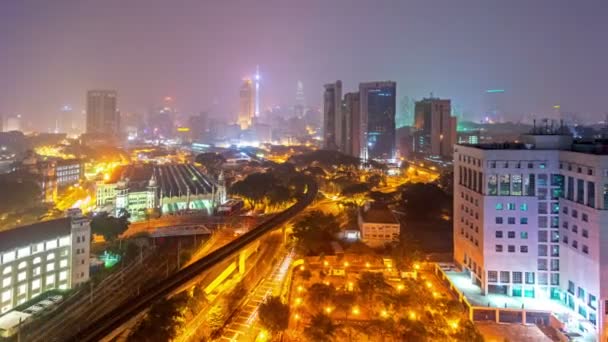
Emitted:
pixel 321 328
pixel 320 294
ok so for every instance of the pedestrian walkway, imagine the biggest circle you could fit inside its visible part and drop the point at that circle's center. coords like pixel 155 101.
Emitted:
pixel 243 326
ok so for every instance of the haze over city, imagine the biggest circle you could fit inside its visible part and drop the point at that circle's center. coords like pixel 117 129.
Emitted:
pixel 317 170
pixel 542 53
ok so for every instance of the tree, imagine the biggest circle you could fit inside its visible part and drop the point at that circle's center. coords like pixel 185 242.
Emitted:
pixel 468 332
pixel 235 296
pixel 320 294
pixel 321 328
pixel 314 231
pixel 274 314
pixel 412 330
pixel 109 227
pixel 370 283
pixel 417 197
pixel 162 321
pixel 306 275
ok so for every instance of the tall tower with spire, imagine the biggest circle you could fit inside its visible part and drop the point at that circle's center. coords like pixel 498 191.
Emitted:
pixel 257 91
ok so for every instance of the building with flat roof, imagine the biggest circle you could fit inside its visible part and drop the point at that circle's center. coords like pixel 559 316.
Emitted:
pixel 531 219
pixel 435 133
pixel 166 188
pixel 43 256
pixel 377 108
pixel 378 225
pixel 102 113
pixel 332 116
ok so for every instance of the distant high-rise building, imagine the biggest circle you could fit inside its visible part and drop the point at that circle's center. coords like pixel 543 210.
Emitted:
pixel 257 91
pixel 332 115
pixel 351 125
pixel 435 128
pixel 299 106
pixel 102 113
pixel 246 104
pixel 377 118
pixel 13 123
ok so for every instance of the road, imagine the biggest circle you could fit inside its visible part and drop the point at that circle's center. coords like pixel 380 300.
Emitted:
pixel 97 329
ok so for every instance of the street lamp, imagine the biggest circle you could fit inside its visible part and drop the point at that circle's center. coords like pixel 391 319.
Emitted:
pixel 356 311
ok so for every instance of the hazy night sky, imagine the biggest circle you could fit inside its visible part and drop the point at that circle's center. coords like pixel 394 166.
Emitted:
pixel 542 52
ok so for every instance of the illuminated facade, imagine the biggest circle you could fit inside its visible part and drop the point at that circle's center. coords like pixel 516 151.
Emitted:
pixel 246 104
pixel 377 102
pixel 530 221
pixel 168 188
pixel 41 257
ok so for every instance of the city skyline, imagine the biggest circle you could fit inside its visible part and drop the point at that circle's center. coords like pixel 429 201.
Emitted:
pixel 53 51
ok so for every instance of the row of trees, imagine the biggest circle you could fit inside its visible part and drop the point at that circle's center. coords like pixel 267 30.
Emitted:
pixel 274 188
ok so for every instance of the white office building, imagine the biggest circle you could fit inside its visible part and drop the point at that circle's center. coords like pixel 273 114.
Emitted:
pixel 531 220
pixel 378 225
pixel 41 257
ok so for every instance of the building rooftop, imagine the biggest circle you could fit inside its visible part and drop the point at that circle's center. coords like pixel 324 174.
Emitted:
pixel 378 213
pixel 37 232
pixel 171 179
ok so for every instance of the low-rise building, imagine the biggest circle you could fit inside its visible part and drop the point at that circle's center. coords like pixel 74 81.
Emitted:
pixel 378 225
pixel 167 188
pixel 68 172
pixel 43 256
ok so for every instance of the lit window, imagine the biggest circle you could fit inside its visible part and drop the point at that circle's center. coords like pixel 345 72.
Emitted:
pixel 50 279
pixel 21 276
pixel 50 256
pixel 51 244
pixel 64 241
pixel 50 267
pixel 63 275
pixel 8 257
pixel 36 260
pixel 63 263
pixel 36 271
pixel 6 281
pixel 523 220
pixel 22 289
pixel 511 206
pixel 498 206
pixel 23 252
pixel 7 270
pixel 35 284
pixel 523 235
pixel 22 264
pixel 523 207
pixel 6 295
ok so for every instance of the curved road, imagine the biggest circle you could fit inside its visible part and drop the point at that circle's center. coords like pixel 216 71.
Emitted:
pixel 98 329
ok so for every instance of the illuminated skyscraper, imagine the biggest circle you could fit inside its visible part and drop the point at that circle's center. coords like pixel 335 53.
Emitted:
pixel 102 114
pixel 257 91
pixel 332 115
pixel 246 104
pixel 377 119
